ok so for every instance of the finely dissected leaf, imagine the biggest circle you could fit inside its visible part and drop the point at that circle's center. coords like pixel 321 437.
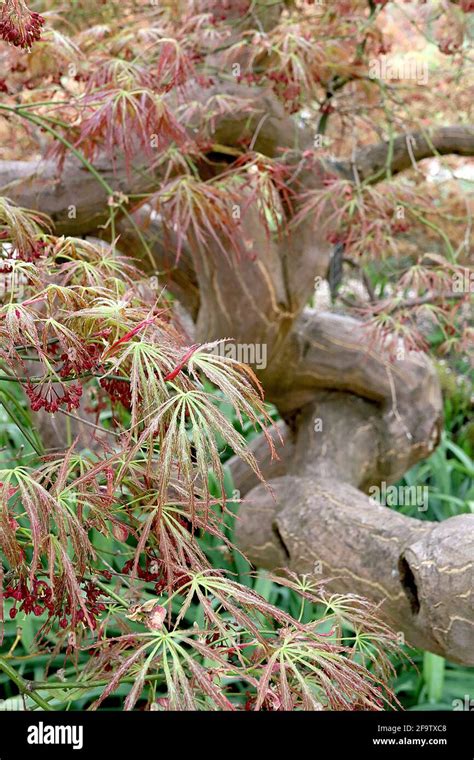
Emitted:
pixel 115 680
pixel 147 365
pixel 23 228
pixel 199 213
pixel 205 682
pixel 127 120
pixel 191 423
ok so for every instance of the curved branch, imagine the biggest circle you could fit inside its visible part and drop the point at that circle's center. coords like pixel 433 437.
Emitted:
pixel 420 572
pixel 316 520
pixel 74 199
pixel 78 202
pixel 327 351
pixel 377 162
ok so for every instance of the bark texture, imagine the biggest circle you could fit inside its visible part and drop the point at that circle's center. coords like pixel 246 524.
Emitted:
pixel 354 419
pixel 317 520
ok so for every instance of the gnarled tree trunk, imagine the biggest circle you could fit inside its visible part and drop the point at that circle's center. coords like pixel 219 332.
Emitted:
pixel 355 418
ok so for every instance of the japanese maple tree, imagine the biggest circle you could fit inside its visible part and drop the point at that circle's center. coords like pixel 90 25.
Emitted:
pixel 177 175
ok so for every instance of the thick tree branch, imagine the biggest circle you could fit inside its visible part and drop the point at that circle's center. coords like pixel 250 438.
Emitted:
pixel 377 162
pixel 74 198
pixel 318 521
pixel 422 573
pixel 176 275
pixel 328 351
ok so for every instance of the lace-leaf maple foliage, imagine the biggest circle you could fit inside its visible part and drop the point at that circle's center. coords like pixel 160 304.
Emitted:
pixel 87 323
pixel 159 110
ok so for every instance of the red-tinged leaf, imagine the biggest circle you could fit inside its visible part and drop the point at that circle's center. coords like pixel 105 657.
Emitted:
pixel 136 690
pixel 204 680
pixel 175 372
pixel 120 531
pixel 121 671
pixel 128 336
